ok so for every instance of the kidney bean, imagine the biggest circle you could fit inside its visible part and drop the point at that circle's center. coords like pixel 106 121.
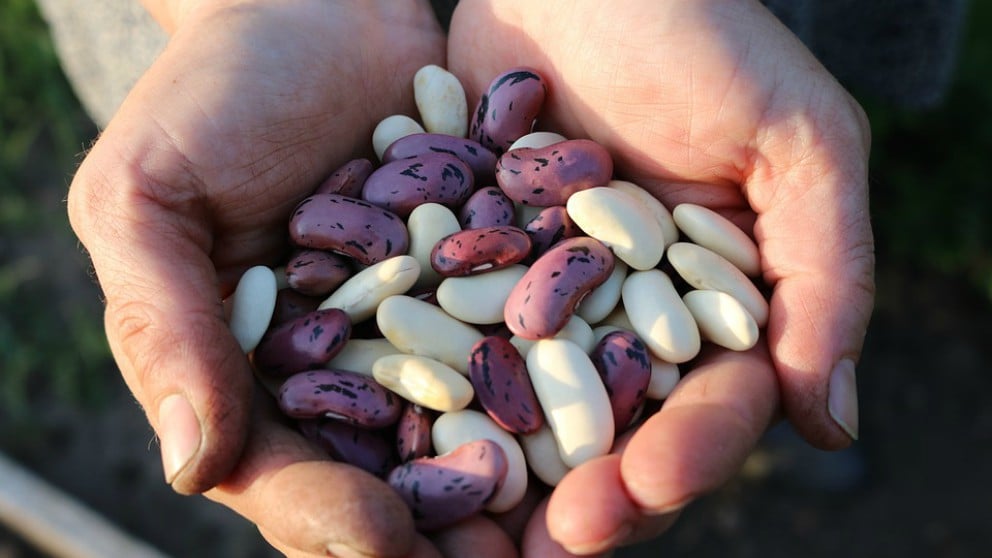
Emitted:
pixel 316 272
pixel 549 227
pixel 303 343
pixel 546 297
pixel 547 176
pixel 499 376
pixel 347 396
pixel 413 432
pixel 401 185
pixel 624 364
pixel 353 227
pixel 366 449
pixel 291 304
pixel 481 160
pixel 443 490
pixel 487 207
pixel 479 250
pixel 507 110
pixel 348 179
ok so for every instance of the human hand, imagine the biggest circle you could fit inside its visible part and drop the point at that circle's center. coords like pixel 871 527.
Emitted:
pixel 250 105
pixel 715 103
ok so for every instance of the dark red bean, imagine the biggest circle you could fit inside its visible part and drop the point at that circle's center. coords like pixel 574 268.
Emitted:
pixel 309 341
pixel 479 250
pixel 502 385
pixel 403 184
pixel 348 179
pixel 487 207
pixel 339 394
pixel 624 364
pixel 507 110
pixel 366 449
pixel 349 226
pixel 547 176
pixel 413 432
pixel 481 160
pixel 317 272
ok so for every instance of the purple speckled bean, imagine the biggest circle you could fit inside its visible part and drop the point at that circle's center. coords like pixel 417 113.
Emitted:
pixel 479 250
pixel 303 343
pixel 349 226
pixel 366 449
pixel 487 207
pixel 403 184
pixel 316 272
pixel 444 490
pixel 549 227
pixel 506 112
pixel 413 433
pixel 624 364
pixel 348 179
pixel 499 376
pixel 481 160
pixel 546 296
pixel 291 305
pixel 339 394
pixel 547 176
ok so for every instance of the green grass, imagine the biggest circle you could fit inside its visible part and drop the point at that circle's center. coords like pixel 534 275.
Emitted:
pixel 51 343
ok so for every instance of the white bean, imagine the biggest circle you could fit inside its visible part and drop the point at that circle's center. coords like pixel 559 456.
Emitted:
pixel 362 293
pixel 440 100
pixel 659 317
pixel 391 129
pixel 252 306
pixel 420 328
pixel 424 381
pixel 453 429
pixel 709 229
pixel 573 398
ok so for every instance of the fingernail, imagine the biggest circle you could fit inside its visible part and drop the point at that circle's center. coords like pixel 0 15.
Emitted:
pixel 179 434
pixel 596 547
pixel 842 401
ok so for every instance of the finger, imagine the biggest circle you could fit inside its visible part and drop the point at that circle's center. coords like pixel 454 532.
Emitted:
pixel 477 537
pixel 422 548
pixel 308 503
pixel 163 318
pixel 590 510
pixel 702 434
pixel 815 237
pixel 514 521
pixel 537 542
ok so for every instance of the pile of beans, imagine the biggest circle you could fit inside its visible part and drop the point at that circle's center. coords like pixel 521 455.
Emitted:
pixel 487 302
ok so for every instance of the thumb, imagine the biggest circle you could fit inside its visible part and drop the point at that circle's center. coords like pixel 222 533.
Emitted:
pixel 164 319
pixel 814 231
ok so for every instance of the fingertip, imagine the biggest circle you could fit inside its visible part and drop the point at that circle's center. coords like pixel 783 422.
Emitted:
pixel 537 542
pixel 478 537
pixel 589 511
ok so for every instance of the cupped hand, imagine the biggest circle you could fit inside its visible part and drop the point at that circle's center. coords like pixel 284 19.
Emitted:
pixel 712 102
pixel 245 111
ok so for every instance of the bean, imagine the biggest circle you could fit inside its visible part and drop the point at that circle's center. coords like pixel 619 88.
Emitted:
pixel 507 110
pixel 252 306
pixel 309 341
pixel 547 176
pixel 709 229
pixel 624 365
pixel 347 396
pixel 401 185
pixel 360 295
pixel 549 227
pixel 440 99
pixel 573 398
pixel 475 251
pixel 316 272
pixel 620 222
pixel 353 227
pixel 479 299
pixel 499 376
pixel 348 179
pixel 366 449
pixel 545 298
pixel 480 160
pixel 392 128
pixel 413 432
pixel 487 207
pixel 704 269
pixel 414 327
pixel 444 490
pixel 424 381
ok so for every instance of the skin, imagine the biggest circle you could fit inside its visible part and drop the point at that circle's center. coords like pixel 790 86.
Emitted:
pixel 253 103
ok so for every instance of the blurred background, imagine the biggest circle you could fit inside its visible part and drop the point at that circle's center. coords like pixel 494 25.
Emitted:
pixel 914 486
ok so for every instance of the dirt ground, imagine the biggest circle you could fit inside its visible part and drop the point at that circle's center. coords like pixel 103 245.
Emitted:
pixel 914 486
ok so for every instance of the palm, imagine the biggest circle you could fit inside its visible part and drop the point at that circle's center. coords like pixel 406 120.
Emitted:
pixel 257 115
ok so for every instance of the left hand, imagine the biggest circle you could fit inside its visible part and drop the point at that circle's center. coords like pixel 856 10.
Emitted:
pixel 713 102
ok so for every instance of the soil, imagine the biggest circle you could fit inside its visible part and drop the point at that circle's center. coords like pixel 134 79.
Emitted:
pixel 913 486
